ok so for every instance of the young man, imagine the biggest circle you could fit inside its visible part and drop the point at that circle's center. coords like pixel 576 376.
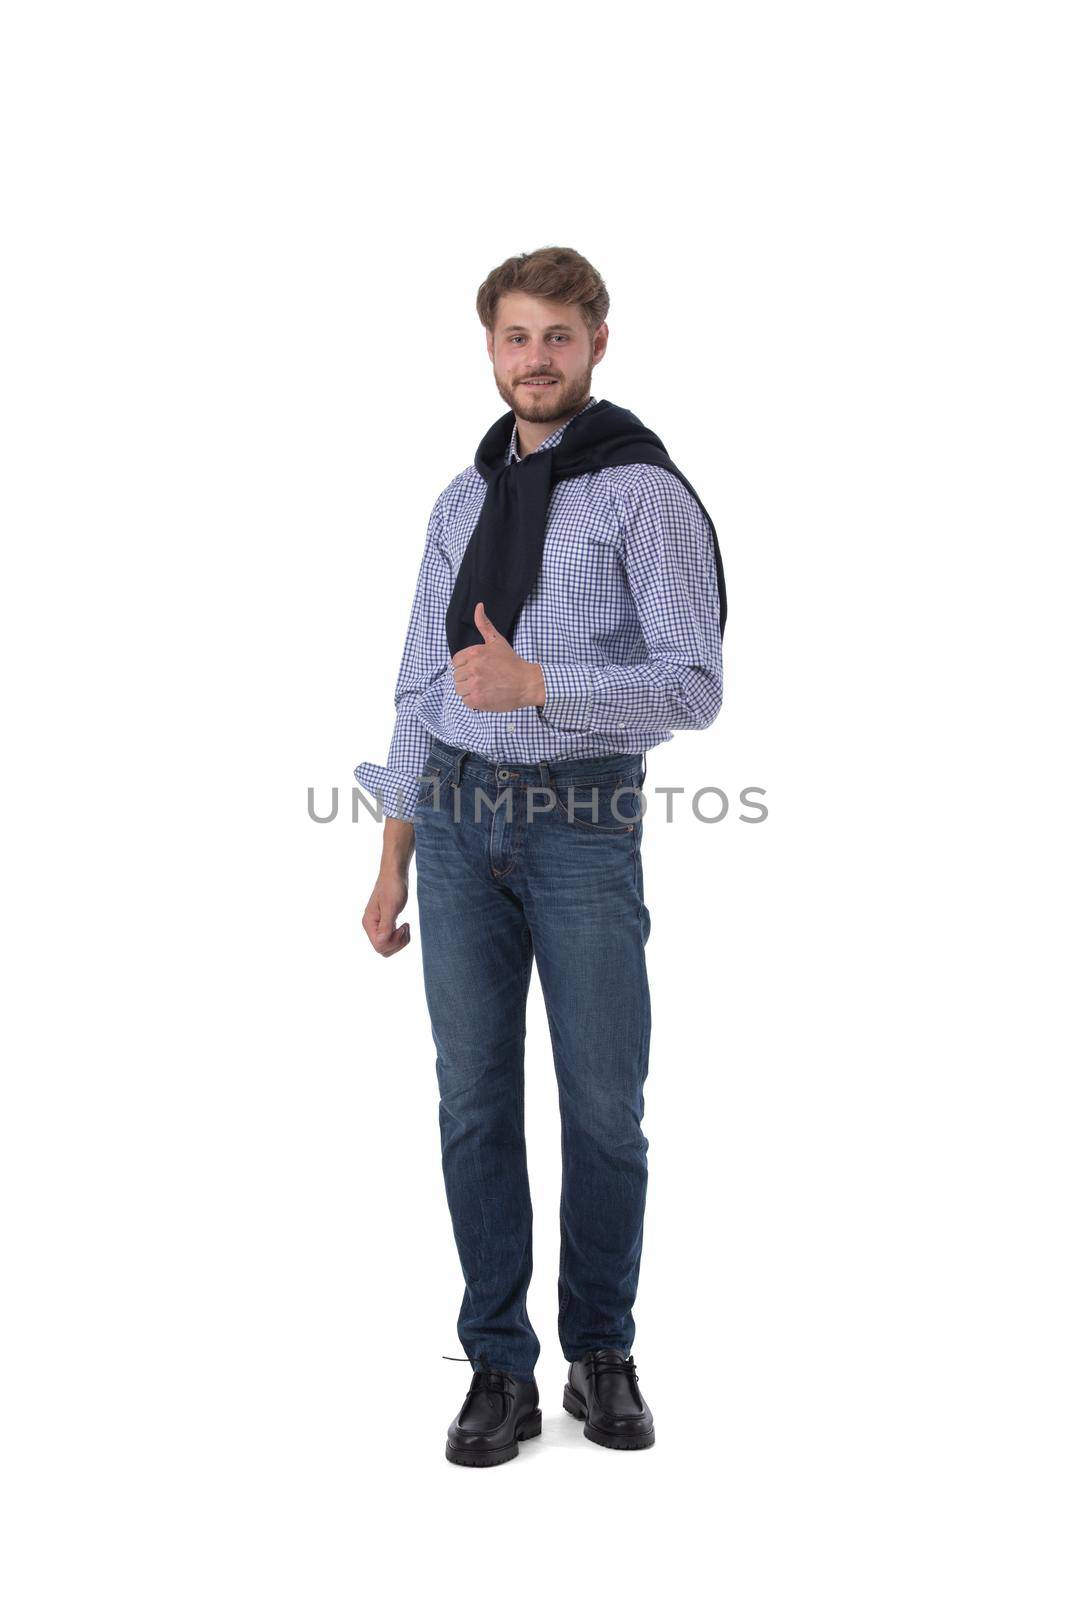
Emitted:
pixel 568 615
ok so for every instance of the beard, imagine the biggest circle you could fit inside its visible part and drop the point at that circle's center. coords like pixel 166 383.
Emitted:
pixel 553 404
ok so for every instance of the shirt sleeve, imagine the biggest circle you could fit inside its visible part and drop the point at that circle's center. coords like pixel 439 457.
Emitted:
pixel 425 656
pixel 669 560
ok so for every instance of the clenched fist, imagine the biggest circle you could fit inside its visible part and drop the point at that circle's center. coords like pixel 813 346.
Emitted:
pixel 491 677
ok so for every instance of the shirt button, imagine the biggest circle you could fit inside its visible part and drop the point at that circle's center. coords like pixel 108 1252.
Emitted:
pixel 511 727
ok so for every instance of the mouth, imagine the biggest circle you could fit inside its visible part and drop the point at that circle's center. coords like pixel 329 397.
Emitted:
pixel 538 383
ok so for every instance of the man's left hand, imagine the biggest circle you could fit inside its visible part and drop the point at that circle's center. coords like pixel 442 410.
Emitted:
pixel 491 677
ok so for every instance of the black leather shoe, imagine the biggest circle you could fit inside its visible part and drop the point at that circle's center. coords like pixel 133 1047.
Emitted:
pixel 499 1411
pixel 602 1388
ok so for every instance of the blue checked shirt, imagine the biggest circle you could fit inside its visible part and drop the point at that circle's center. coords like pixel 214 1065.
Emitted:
pixel 623 620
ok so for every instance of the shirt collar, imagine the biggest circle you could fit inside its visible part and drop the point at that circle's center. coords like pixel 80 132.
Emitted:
pixel 553 438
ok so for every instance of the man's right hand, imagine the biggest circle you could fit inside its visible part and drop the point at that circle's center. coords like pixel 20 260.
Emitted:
pixel 390 893
pixel 388 898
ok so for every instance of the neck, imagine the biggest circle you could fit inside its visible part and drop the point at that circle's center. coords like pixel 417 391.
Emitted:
pixel 533 434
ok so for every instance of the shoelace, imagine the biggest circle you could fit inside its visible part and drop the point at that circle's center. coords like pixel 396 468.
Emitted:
pixel 601 1363
pixel 496 1382
pixel 486 1378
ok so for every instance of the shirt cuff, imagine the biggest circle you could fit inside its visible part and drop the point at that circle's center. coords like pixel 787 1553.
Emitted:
pixel 398 792
pixel 568 697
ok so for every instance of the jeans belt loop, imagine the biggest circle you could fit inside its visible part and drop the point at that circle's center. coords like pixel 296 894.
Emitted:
pixel 547 780
pixel 457 768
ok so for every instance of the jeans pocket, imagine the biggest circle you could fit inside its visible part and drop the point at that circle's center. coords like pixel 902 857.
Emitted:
pixel 429 785
pixel 607 805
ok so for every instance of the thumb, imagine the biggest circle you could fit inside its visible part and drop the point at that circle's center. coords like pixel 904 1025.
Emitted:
pixel 485 627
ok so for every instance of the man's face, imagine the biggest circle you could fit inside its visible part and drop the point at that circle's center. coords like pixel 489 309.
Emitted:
pixel 543 339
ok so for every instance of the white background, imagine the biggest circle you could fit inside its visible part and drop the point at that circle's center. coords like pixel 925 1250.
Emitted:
pixel 240 360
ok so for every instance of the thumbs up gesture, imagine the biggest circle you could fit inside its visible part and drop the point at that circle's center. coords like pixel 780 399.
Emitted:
pixel 491 677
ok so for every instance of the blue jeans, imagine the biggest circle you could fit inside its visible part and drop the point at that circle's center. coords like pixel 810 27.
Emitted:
pixel 506 877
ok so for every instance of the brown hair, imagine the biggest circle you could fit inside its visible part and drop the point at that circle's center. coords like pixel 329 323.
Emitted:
pixel 552 273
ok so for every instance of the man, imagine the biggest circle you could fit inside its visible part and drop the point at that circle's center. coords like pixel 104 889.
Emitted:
pixel 568 615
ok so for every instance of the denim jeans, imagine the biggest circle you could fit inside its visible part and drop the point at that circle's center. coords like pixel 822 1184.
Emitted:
pixel 506 877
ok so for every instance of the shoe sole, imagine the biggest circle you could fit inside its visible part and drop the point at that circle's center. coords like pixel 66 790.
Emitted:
pixel 573 1403
pixel 528 1429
